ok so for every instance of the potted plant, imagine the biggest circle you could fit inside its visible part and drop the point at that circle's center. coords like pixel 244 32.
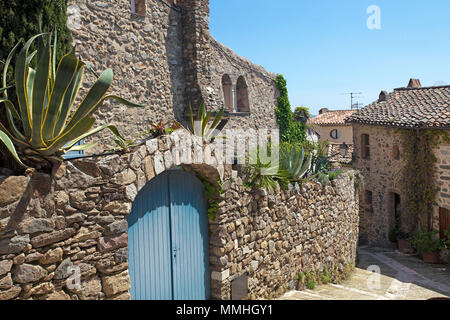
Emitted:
pixel 404 244
pixel 428 245
pixel 394 233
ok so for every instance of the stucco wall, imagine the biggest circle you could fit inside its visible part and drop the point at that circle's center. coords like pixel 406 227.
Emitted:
pixel 77 217
pixel 345 134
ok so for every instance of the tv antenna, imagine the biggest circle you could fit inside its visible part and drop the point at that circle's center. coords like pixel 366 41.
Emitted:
pixel 353 96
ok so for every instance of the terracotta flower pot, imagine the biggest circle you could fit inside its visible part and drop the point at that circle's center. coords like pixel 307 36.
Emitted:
pixel 432 257
pixel 394 245
pixel 405 246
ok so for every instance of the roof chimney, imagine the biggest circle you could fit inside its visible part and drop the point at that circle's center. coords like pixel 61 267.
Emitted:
pixel 383 96
pixel 323 110
pixel 414 83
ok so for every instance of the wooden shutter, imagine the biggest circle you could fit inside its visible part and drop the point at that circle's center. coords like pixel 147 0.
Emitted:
pixel 444 221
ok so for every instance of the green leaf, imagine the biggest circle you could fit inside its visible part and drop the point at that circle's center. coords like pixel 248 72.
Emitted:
pixel 21 85
pixel 92 100
pixel 69 99
pixel 11 112
pixel 40 96
pixel 10 146
pixel 112 128
pixel 82 147
pixel 6 67
pixel 69 136
pixel 123 101
pixel 65 73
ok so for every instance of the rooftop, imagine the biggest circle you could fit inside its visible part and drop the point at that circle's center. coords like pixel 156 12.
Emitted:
pixel 410 107
pixel 333 117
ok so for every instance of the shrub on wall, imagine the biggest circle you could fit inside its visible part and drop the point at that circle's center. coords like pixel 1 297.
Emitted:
pixel 290 131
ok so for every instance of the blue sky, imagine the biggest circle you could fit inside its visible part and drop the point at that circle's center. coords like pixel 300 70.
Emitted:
pixel 324 48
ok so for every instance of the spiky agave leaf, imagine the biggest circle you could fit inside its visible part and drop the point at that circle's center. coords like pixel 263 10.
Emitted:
pixel 46 96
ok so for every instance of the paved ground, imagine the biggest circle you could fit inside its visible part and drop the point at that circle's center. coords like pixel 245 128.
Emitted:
pixel 402 277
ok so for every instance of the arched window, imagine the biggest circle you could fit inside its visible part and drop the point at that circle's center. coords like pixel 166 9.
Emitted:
pixel 227 88
pixel 242 95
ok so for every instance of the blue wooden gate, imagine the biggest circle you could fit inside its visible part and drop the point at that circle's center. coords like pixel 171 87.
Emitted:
pixel 168 240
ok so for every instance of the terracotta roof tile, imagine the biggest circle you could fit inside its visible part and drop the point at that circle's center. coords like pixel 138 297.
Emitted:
pixel 427 107
pixel 333 117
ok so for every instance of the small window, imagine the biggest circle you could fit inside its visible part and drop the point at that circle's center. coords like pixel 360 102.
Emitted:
pixel 365 146
pixel 368 198
pixel 396 152
pixel 242 104
pixel 138 7
pixel 334 134
pixel 227 88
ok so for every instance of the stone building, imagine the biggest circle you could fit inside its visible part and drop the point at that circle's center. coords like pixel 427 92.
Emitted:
pixel 380 156
pixel 105 222
pixel 164 57
pixel 140 224
pixel 331 127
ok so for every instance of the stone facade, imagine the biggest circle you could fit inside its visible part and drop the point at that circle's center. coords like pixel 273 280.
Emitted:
pixel 384 179
pixel 75 219
pixel 166 60
pixel 272 237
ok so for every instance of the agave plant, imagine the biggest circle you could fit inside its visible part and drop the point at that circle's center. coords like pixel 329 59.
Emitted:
pixel 264 175
pixel 319 171
pixel 48 124
pixel 201 127
pixel 294 162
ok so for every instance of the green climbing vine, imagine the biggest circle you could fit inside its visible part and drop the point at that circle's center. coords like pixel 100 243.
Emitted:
pixel 419 174
pixel 290 131
pixel 212 193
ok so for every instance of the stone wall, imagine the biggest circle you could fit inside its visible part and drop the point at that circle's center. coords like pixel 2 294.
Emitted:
pixel 443 175
pixel 51 225
pixel 145 53
pixel 272 237
pixel 166 60
pixel 383 177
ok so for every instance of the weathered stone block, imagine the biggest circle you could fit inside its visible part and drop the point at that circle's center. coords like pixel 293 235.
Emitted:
pixel 116 228
pixel 14 245
pixel 49 238
pixel 26 273
pixel 5 266
pixel 12 189
pixel 116 284
pixel 112 243
pixel 85 234
pixel 10 293
pixel 52 256
pixel 6 282
pixel 36 225
pixel 220 276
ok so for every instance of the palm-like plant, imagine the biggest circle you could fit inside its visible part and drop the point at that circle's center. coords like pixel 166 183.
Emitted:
pixel 294 162
pixel 49 126
pixel 264 175
pixel 201 127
